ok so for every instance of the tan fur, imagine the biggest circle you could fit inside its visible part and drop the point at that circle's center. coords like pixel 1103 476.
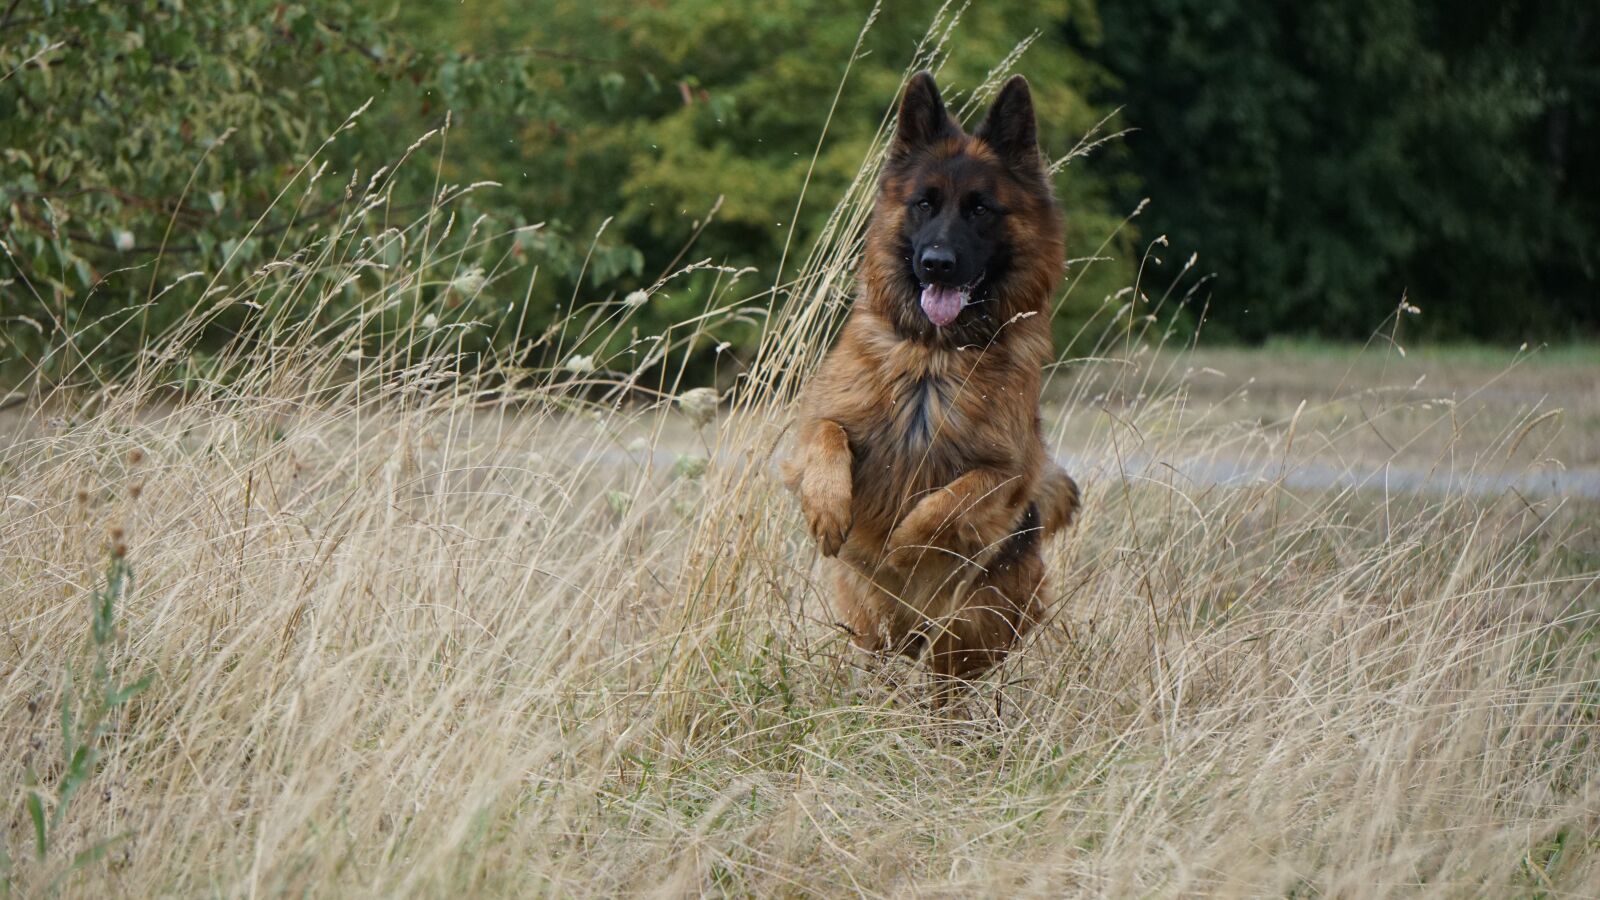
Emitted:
pixel 920 452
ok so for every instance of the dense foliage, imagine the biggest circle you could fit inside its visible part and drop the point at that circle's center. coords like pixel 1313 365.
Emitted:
pixel 688 130
pixel 146 140
pixel 1322 158
pixel 1327 156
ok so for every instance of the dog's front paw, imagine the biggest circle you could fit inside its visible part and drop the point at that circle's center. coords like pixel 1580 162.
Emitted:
pixel 1058 499
pixel 828 528
pixel 825 500
pixel 923 527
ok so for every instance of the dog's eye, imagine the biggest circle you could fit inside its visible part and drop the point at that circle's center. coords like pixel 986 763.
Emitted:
pixel 924 205
pixel 980 210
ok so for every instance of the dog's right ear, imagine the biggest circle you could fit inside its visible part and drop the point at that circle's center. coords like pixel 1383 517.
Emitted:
pixel 922 120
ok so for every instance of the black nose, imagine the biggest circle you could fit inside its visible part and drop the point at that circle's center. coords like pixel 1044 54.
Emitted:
pixel 937 262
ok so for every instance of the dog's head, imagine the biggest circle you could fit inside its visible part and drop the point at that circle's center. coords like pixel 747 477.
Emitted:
pixel 964 224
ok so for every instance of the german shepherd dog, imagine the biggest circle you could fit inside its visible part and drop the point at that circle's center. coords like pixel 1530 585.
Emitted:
pixel 920 463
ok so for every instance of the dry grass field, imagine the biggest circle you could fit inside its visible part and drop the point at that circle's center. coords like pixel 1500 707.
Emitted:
pixel 345 622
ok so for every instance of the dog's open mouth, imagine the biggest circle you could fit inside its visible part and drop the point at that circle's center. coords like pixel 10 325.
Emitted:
pixel 941 303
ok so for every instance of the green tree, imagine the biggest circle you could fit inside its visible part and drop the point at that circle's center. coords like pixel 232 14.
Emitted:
pixel 142 140
pixel 659 113
pixel 1326 157
pixel 145 140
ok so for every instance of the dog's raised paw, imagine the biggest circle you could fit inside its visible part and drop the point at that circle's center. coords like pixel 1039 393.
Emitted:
pixel 825 499
pixel 1058 498
pixel 921 528
pixel 828 527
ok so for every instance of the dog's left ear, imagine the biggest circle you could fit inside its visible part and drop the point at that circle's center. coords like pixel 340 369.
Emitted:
pixel 923 120
pixel 1010 131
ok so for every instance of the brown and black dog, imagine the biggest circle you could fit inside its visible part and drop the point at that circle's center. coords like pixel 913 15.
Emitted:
pixel 920 464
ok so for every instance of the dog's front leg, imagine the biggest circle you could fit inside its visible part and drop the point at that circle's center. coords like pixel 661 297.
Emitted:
pixel 1057 496
pixel 819 472
pixel 969 515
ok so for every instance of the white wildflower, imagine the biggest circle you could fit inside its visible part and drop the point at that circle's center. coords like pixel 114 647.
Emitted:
pixel 636 299
pixel 430 321
pixel 123 239
pixel 699 404
pixel 468 283
pixel 580 365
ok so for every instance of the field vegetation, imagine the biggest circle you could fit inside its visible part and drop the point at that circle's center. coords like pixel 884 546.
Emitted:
pixel 365 572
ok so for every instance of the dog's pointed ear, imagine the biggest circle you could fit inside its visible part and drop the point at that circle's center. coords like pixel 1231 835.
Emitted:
pixel 1010 131
pixel 922 119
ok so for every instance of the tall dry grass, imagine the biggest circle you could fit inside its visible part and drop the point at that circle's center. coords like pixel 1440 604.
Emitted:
pixel 415 629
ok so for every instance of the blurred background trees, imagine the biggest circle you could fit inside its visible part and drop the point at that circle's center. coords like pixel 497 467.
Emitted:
pixel 1325 156
pixel 1322 158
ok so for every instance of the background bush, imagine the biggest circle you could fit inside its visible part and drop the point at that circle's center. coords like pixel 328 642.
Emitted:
pixel 1327 156
pixel 1321 159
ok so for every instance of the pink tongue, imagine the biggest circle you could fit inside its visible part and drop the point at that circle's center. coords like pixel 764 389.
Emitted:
pixel 942 304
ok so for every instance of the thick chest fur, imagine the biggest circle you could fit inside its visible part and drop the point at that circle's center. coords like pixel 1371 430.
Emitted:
pixel 918 441
pixel 938 412
pixel 922 410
